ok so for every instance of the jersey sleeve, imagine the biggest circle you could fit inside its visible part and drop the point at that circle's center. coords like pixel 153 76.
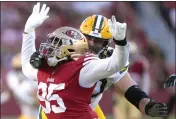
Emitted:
pixel 28 48
pixel 97 69
pixel 117 76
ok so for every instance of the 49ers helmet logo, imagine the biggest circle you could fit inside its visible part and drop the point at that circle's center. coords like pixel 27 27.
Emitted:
pixel 73 34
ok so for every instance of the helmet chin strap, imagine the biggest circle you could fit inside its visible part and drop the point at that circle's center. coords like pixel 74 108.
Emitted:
pixel 52 61
pixel 103 53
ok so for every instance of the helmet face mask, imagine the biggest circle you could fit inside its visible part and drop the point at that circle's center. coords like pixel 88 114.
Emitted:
pixel 53 46
pixel 96 44
pixel 62 42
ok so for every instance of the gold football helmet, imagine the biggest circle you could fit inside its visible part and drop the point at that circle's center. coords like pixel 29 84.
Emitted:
pixel 16 61
pixel 63 41
pixel 96 26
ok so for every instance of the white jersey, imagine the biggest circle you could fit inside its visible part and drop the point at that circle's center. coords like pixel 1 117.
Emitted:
pixel 23 89
pixel 96 97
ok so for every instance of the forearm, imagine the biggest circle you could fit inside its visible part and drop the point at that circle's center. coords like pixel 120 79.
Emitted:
pixel 140 99
pixel 28 45
pixel 119 57
pixel 28 48
pixel 121 52
pixel 146 105
pixel 132 92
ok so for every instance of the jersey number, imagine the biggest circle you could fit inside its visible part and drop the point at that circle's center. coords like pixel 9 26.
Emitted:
pixel 47 96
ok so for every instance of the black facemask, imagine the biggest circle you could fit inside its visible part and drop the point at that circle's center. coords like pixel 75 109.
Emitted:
pixel 95 49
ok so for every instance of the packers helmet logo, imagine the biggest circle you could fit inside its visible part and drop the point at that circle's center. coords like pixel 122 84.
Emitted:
pixel 73 34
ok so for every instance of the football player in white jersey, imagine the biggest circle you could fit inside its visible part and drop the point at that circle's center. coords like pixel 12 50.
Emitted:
pixel 94 29
pixel 23 90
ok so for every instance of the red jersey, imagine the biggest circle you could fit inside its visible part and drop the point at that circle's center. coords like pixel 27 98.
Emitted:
pixel 60 93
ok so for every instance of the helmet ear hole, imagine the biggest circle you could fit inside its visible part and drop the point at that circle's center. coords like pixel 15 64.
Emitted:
pixel 71 50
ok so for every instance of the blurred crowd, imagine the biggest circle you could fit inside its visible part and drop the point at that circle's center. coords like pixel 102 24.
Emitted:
pixel 144 27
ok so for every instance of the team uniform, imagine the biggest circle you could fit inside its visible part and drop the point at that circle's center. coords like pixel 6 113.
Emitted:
pixel 24 91
pixel 97 94
pixel 79 81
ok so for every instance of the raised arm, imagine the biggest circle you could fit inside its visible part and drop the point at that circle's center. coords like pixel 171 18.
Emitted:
pixel 95 70
pixel 28 45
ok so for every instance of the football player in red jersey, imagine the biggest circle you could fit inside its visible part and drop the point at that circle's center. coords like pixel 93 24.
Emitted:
pixel 65 71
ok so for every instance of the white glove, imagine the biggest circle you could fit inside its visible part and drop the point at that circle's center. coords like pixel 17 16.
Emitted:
pixel 117 29
pixel 36 18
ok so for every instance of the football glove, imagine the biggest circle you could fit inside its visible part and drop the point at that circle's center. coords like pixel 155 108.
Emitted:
pixel 37 59
pixel 171 81
pixel 154 109
pixel 37 17
pixel 117 29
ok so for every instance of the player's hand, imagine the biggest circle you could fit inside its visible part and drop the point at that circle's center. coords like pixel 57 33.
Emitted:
pixel 154 109
pixel 171 81
pixel 117 29
pixel 36 59
pixel 37 17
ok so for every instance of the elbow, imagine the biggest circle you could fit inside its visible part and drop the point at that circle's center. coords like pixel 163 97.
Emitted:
pixel 29 71
pixel 26 71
